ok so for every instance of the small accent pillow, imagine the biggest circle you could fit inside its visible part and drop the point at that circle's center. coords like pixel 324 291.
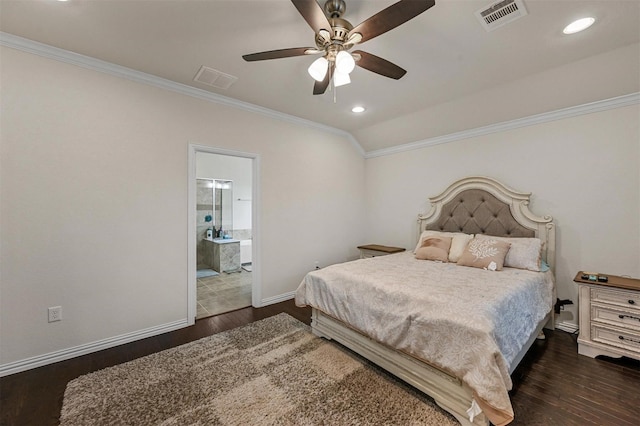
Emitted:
pixel 458 243
pixel 485 253
pixel 434 248
pixel 524 253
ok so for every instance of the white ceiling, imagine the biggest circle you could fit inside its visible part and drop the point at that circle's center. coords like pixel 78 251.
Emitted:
pixel 447 54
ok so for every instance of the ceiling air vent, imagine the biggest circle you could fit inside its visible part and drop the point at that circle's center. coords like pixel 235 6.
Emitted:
pixel 500 13
pixel 214 78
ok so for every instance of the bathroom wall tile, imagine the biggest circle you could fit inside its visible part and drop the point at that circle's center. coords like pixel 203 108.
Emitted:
pixel 241 234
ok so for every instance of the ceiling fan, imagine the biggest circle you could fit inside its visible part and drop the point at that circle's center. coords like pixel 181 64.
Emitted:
pixel 336 36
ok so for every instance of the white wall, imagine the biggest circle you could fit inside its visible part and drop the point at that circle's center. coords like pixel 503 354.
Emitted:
pixel 93 173
pixel 236 169
pixel 583 171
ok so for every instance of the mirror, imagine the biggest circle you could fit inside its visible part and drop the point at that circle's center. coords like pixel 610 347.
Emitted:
pixel 214 207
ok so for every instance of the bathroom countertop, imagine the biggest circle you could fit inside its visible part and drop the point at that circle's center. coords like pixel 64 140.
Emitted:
pixel 222 240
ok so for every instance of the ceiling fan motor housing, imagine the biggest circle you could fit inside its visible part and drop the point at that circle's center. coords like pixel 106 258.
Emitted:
pixel 334 43
pixel 341 28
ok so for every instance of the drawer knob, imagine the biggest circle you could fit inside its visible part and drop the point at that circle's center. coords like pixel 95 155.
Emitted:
pixel 628 316
pixel 628 339
pixel 632 302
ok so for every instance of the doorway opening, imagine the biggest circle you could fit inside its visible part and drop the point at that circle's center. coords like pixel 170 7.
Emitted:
pixel 223 265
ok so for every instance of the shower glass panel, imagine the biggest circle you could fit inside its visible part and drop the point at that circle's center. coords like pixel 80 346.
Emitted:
pixel 223 200
pixel 204 221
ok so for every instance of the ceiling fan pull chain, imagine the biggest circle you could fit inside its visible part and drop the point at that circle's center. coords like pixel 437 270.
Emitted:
pixel 333 86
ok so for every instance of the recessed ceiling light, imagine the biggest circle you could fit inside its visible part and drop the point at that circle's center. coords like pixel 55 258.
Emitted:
pixel 358 109
pixel 579 25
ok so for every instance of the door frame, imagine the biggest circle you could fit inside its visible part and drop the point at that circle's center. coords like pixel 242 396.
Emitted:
pixel 256 287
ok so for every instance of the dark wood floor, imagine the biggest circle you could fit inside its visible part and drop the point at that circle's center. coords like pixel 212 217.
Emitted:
pixel 552 386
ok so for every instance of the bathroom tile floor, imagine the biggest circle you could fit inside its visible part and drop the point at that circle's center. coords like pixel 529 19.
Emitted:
pixel 223 293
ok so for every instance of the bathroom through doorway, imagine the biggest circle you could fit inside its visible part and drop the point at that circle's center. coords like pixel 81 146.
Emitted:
pixel 222 208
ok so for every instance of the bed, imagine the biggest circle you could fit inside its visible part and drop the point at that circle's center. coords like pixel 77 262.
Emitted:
pixel 454 332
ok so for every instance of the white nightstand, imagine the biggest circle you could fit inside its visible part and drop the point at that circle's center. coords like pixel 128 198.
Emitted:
pixel 609 315
pixel 373 250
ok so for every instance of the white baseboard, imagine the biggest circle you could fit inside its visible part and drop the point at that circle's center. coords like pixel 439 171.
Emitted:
pixel 64 354
pixel 277 299
pixel 569 327
pixel 73 352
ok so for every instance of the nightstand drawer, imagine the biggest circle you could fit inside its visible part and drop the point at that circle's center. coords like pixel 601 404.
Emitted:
pixel 623 339
pixel 365 254
pixel 619 318
pixel 620 298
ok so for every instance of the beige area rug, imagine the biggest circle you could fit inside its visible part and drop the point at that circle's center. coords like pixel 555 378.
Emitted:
pixel 271 372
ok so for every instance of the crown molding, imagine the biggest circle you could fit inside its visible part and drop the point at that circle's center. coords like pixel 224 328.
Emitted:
pixel 588 108
pixel 47 51
pixel 62 55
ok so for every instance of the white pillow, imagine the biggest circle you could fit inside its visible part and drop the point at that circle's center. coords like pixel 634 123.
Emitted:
pixel 524 253
pixel 459 242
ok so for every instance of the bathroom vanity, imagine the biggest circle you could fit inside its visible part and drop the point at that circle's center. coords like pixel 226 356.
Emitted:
pixel 226 254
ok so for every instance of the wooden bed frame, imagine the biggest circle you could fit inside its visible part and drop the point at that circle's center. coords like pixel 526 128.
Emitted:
pixel 448 391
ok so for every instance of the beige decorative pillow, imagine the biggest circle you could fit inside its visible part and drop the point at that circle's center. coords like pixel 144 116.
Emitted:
pixel 524 253
pixel 434 248
pixel 487 253
pixel 458 243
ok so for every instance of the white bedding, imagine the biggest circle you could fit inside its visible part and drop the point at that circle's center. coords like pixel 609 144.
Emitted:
pixel 467 321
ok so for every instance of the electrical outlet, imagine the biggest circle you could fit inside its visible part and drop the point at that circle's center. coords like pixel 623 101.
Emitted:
pixel 317 265
pixel 55 313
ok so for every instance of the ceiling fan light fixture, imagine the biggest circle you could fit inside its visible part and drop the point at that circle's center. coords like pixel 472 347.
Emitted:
pixel 579 25
pixel 345 62
pixel 318 69
pixel 340 78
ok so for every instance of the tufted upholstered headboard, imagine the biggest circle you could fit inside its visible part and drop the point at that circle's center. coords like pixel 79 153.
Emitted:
pixel 481 205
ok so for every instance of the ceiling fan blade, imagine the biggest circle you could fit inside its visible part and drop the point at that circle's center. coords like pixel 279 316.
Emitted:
pixel 280 53
pixel 378 65
pixel 391 17
pixel 313 14
pixel 321 86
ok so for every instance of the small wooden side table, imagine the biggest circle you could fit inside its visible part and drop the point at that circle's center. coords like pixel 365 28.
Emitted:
pixel 373 250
